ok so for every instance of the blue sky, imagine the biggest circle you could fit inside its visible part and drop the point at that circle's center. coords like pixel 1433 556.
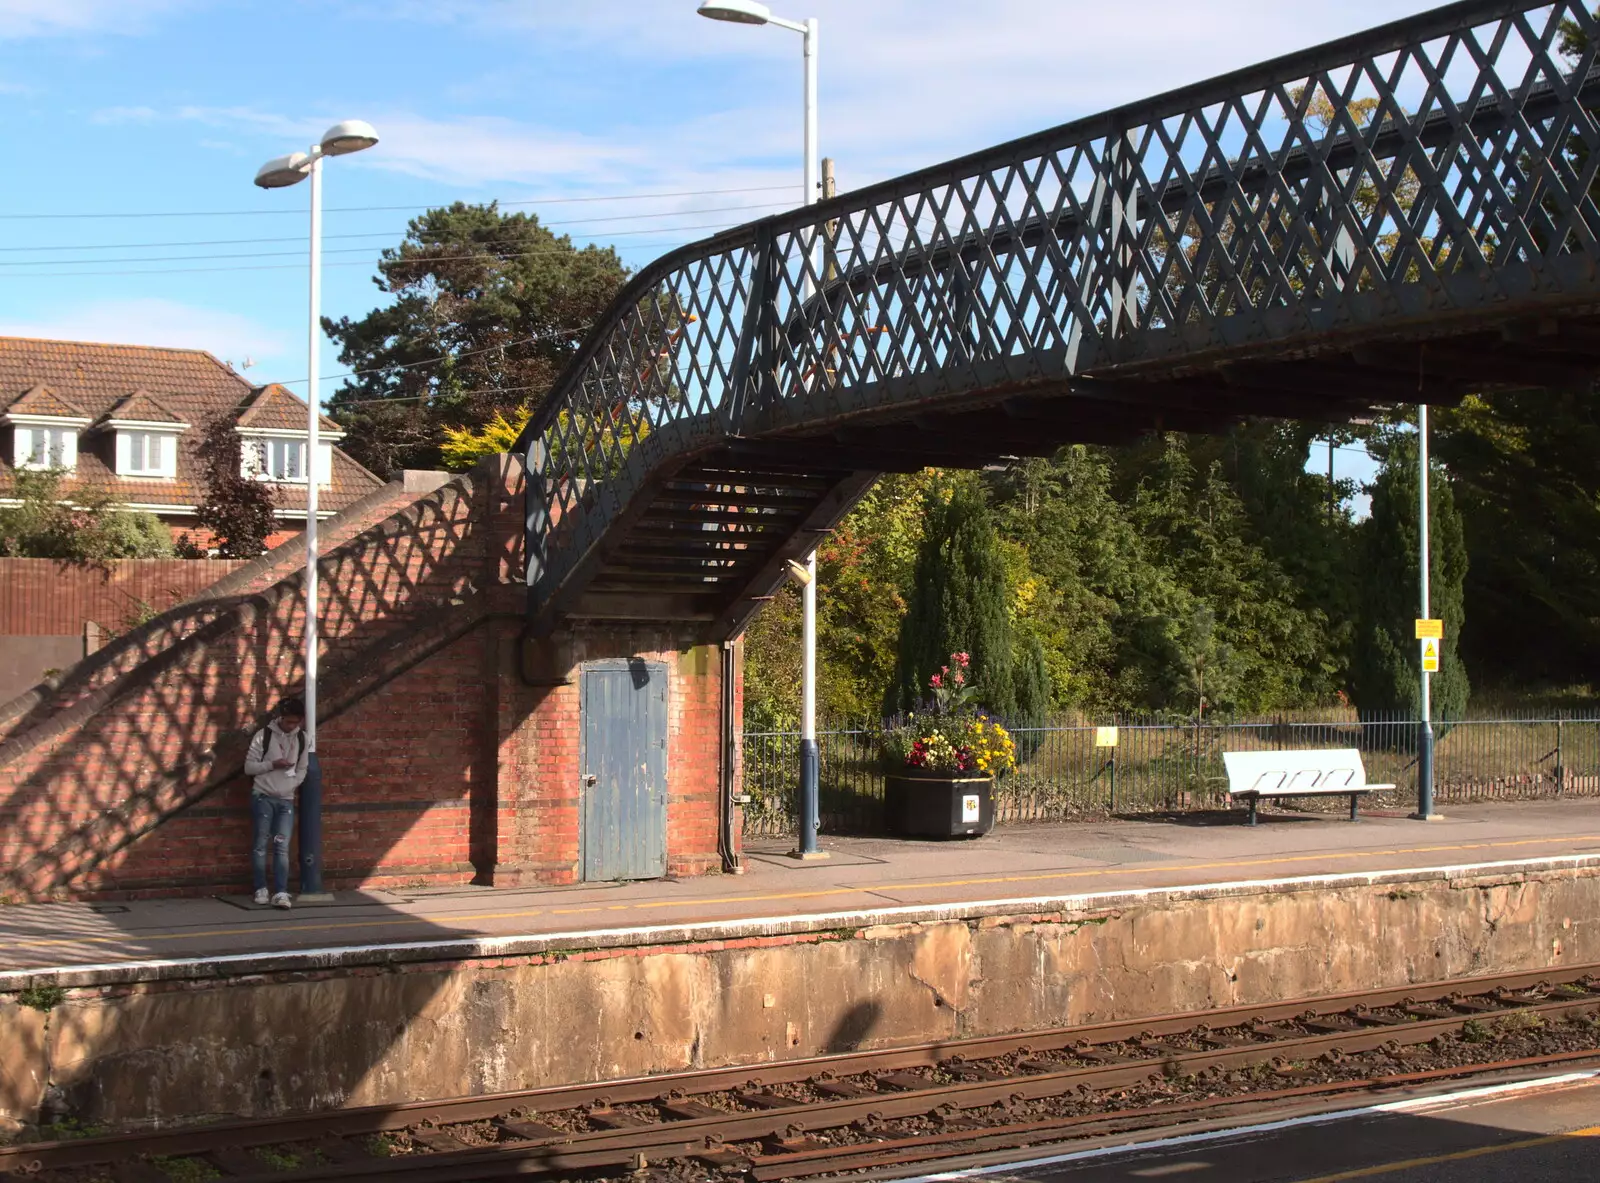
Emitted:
pixel 122 110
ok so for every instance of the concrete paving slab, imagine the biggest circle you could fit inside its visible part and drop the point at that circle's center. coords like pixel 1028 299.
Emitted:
pixel 1014 865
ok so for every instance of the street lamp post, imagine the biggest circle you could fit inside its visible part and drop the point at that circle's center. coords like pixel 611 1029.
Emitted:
pixel 352 135
pixel 750 12
pixel 1424 522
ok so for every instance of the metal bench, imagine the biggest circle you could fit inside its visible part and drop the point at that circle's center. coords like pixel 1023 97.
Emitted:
pixel 1332 772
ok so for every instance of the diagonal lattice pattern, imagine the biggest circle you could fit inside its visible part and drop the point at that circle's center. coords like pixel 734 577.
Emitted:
pixel 1435 172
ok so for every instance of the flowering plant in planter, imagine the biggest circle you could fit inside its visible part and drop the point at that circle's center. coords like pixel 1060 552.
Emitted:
pixel 954 738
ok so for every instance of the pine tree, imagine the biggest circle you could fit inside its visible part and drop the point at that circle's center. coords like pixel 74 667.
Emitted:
pixel 1386 662
pixel 958 601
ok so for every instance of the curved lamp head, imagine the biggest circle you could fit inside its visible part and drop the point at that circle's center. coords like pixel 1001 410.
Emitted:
pixel 352 135
pixel 284 171
pixel 743 12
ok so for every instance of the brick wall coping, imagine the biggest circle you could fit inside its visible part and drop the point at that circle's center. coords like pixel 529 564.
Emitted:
pixel 696 936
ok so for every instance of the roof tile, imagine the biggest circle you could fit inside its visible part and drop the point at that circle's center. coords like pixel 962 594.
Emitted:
pixel 141 407
pixel 41 400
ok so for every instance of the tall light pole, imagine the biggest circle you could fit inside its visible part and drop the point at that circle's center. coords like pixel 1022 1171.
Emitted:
pixel 750 12
pixel 1425 728
pixel 352 135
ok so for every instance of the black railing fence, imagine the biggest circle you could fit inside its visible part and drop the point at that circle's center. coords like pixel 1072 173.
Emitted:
pixel 1156 766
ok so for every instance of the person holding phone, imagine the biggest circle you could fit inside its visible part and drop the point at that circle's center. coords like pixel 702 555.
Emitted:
pixel 277 761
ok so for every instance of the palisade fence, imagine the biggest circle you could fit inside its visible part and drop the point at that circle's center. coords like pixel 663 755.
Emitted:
pixel 1162 765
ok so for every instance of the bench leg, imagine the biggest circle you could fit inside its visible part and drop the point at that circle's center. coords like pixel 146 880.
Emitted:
pixel 1353 800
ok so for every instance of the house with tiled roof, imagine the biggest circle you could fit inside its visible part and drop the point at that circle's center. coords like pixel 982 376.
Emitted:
pixel 125 420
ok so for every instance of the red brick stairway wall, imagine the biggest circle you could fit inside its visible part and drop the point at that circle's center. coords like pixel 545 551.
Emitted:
pixel 449 753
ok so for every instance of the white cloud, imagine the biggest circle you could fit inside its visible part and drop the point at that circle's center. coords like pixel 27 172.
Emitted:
pixel 43 18
pixel 904 83
pixel 112 116
pixel 154 321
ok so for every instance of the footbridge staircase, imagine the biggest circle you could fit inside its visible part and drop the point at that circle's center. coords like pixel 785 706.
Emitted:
pixel 1406 215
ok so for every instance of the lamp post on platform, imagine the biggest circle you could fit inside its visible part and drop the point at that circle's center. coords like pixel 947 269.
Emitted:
pixel 1425 727
pixel 751 12
pixel 352 135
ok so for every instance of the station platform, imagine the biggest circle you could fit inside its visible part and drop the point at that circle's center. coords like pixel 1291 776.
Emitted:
pixel 864 881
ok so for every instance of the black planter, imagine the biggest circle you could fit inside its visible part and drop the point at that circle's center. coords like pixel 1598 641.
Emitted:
pixel 939 805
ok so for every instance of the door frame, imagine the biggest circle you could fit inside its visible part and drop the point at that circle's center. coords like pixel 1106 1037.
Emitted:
pixel 654 667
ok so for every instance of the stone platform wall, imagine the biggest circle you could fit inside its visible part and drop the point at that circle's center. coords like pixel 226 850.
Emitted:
pixel 267 1043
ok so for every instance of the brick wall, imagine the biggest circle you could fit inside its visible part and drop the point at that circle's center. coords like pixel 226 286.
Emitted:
pixel 449 752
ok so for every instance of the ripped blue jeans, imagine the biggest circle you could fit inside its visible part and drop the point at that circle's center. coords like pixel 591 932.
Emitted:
pixel 274 821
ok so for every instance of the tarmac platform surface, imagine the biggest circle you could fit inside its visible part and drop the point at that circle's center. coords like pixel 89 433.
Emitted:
pixel 870 880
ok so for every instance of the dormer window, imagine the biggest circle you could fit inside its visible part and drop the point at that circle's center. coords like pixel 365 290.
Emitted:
pixel 39 448
pixel 147 453
pixel 44 430
pixel 146 437
pixel 281 459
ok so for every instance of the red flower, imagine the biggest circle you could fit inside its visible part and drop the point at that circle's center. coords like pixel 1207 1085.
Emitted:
pixel 935 681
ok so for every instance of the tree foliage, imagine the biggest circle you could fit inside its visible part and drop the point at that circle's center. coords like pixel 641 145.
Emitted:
pixel 1386 669
pixel 1525 477
pixel 485 309
pixel 237 509
pixel 958 600
pixel 85 526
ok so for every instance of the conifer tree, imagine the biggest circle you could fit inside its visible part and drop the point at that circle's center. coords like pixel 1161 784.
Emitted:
pixel 1386 663
pixel 957 601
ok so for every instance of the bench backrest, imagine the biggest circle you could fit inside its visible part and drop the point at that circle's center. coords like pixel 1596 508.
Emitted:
pixel 1326 771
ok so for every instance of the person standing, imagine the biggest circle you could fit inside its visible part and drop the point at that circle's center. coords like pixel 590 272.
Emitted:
pixel 277 761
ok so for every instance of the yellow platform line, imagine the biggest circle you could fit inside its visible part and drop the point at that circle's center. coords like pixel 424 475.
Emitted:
pixel 258 927
pixel 1410 1164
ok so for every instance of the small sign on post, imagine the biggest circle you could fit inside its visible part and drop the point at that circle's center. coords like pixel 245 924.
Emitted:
pixel 1105 737
pixel 1430 655
pixel 1430 630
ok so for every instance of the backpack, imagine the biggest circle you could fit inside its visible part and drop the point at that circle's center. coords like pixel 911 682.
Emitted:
pixel 266 738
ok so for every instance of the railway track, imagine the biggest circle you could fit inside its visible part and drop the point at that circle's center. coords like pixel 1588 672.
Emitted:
pixel 886 1108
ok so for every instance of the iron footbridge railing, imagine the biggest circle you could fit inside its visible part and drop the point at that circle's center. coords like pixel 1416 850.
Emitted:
pixel 1398 216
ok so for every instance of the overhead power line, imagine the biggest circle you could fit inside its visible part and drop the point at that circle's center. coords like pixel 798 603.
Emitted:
pixel 362 209
pixel 132 246
pixel 433 361
pixel 364 250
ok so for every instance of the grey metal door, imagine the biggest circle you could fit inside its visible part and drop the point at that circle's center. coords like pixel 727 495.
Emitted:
pixel 624 770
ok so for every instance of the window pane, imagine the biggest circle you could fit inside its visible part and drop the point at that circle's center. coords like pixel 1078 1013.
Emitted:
pixel 153 452
pixel 36 445
pixel 58 448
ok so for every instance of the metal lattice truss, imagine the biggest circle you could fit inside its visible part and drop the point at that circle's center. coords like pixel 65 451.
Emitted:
pixel 1383 218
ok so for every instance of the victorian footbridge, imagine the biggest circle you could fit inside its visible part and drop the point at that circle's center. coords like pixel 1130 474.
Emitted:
pixel 1401 216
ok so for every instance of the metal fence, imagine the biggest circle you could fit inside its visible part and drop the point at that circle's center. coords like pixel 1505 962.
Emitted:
pixel 1174 766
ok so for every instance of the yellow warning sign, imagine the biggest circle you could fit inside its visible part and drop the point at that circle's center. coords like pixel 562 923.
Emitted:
pixel 1430 655
pixel 1105 737
pixel 1430 628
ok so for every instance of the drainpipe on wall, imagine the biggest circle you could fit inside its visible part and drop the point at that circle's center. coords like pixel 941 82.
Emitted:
pixel 731 863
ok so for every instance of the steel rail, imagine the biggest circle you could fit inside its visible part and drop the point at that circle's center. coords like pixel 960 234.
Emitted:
pixel 679 1137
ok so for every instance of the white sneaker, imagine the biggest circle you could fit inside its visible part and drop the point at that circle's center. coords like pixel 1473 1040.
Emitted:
pixel 282 900
pixel 261 895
